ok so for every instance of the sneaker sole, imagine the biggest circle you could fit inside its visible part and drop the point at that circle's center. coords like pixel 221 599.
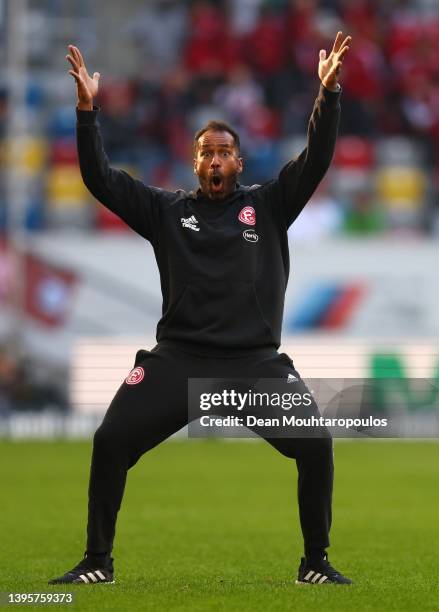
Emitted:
pixel 58 583
pixel 322 583
pixel 313 583
pixel 93 583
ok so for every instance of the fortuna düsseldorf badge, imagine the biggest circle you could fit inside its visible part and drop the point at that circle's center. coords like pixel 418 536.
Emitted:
pixel 247 215
pixel 135 376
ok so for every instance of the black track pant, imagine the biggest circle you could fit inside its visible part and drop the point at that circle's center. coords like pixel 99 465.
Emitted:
pixel 144 414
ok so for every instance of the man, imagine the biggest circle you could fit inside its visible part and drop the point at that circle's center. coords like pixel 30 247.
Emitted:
pixel 222 254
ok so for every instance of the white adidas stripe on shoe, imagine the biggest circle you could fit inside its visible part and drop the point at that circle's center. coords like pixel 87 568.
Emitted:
pixel 313 578
pixel 96 576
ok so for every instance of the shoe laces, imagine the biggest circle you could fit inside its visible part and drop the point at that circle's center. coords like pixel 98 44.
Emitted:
pixel 330 571
pixel 84 564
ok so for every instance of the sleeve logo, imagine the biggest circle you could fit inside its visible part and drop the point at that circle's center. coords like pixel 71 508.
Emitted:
pixel 247 215
pixel 135 376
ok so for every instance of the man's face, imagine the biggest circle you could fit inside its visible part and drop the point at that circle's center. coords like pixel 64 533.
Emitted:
pixel 217 164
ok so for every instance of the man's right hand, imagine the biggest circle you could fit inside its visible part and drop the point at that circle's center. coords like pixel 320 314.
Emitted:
pixel 87 87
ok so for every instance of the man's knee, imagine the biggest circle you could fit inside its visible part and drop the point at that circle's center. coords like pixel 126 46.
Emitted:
pixel 105 441
pixel 286 447
pixel 110 445
pixel 316 450
pixel 301 448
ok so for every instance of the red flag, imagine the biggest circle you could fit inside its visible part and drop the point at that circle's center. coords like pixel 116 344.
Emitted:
pixel 49 291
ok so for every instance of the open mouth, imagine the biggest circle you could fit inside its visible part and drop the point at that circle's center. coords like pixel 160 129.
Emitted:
pixel 216 182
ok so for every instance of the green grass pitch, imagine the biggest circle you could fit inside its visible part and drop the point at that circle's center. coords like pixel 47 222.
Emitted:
pixel 213 525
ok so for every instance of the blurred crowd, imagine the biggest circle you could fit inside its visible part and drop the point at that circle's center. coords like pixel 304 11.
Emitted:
pixel 254 64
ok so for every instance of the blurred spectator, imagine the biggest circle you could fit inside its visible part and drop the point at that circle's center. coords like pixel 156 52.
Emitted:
pixel 321 217
pixel 304 38
pixel 240 96
pixel 265 45
pixel 117 98
pixel 3 109
pixel 365 85
pixel 364 215
pixel 211 46
pixel 175 102
pixel 159 30
pixel 244 15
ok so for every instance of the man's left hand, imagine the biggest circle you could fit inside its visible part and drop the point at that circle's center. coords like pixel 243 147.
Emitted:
pixel 329 68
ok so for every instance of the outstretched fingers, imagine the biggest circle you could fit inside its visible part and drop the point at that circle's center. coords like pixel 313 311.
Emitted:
pixel 76 54
pixel 73 62
pixel 73 53
pixel 345 44
pixel 81 60
pixel 340 45
pixel 343 52
pixel 337 42
pixel 346 41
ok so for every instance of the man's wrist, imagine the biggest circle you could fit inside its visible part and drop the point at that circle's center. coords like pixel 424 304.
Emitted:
pixel 87 117
pixel 335 89
pixel 330 97
pixel 84 106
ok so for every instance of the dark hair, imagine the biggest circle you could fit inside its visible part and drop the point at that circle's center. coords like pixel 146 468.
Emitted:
pixel 217 126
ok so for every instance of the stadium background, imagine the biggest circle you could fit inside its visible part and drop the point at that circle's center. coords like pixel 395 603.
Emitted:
pixel 363 250
pixel 79 292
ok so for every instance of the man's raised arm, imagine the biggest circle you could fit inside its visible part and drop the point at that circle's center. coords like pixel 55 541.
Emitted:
pixel 300 177
pixel 128 198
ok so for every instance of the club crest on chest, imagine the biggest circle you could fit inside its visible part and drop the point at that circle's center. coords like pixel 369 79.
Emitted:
pixel 247 215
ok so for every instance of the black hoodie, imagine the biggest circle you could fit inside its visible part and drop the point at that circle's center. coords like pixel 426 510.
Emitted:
pixel 223 265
